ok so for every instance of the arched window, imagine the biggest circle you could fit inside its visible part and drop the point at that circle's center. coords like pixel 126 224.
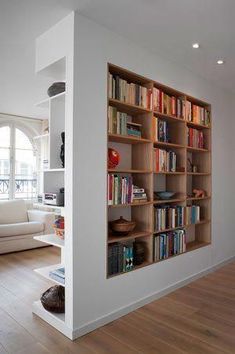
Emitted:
pixel 18 163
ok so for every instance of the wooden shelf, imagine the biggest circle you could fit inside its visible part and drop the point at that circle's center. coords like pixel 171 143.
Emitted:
pixel 182 227
pixel 50 239
pixel 127 139
pixel 127 107
pixel 197 126
pixel 168 145
pixel 198 173
pixel 132 235
pixel 129 205
pixel 191 246
pixel 168 117
pixel 169 173
pixel 113 170
pixel 194 149
pixel 193 198
pixel 166 201
pixel 44 272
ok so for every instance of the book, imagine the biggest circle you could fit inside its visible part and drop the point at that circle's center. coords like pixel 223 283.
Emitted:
pixel 164 161
pixel 58 275
pixel 195 138
pixel 197 114
pixel 168 104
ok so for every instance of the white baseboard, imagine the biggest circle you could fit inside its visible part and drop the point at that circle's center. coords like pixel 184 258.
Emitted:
pixel 91 326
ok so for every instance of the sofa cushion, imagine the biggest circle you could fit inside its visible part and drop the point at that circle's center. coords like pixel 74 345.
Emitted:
pixel 23 228
pixel 13 211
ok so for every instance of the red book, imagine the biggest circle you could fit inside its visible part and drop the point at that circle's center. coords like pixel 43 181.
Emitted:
pixel 157 160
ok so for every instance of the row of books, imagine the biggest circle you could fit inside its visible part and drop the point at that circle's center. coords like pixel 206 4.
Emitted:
pixel 195 138
pixel 129 92
pixel 169 244
pixel 160 130
pixel 164 161
pixel 117 121
pixel 58 275
pixel 197 114
pixel 120 258
pixel 164 103
pixel 121 190
pixel 169 217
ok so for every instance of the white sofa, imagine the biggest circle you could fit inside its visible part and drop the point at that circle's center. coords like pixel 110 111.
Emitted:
pixel 18 226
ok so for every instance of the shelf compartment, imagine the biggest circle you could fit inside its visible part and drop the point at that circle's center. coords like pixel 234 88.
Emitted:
pixel 132 235
pixel 127 107
pixel 181 227
pixel 127 139
pixel 198 182
pixel 144 264
pixel 51 239
pixel 194 245
pixel 44 272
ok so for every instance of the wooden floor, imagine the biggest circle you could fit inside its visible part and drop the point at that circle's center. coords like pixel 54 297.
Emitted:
pixel 199 318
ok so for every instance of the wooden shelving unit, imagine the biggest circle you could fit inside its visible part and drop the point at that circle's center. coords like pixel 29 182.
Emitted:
pixel 137 161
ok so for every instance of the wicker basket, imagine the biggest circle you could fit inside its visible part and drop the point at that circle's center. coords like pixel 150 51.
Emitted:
pixel 59 232
pixel 53 299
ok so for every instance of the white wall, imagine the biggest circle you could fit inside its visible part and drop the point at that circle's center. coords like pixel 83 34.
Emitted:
pixel 96 297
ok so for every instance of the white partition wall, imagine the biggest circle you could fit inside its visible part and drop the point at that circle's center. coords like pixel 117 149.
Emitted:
pixel 85 48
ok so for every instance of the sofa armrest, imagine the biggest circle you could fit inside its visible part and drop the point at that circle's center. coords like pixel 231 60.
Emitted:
pixel 45 217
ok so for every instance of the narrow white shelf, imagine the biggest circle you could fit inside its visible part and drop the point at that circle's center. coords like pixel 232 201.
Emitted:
pixel 44 272
pixel 50 239
pixel 54 170
pixel 45 103
pixel 41 136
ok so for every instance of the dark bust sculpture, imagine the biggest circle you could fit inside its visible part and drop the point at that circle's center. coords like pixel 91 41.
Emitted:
pixel 62 152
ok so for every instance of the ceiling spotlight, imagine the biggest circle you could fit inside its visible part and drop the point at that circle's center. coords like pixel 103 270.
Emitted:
pixel 220 62
pixel 195 45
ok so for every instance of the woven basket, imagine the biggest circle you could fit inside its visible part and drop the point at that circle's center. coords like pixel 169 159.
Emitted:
pixel 53 299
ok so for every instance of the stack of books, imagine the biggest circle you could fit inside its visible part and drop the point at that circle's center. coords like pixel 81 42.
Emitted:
pixel 160 130
pixel 164 103
pixel 164 161
pixel 129 92
pixel 120 189
pixel 120 258
pixel 169 244
pixel 169 217
pixel 197 114
pixel 58 275
pixel 134 129
pixel 195 138
pixel 139 194
pixel 192 214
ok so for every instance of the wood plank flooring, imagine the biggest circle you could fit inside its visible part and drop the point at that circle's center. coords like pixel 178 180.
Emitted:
pixel 198 318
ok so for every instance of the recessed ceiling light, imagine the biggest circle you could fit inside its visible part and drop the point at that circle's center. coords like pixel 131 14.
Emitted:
pixel 195 45
pixel 220 61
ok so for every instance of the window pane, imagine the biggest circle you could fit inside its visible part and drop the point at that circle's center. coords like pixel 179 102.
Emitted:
pixel 25 174
pixel 22 141
pixel 4 173
pixel 5 136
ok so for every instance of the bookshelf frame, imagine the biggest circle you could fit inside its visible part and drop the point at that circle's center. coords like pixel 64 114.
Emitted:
pixel 198 235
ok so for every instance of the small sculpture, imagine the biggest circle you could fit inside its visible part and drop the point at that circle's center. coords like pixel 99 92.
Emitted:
pixel 62 152
pixel 113 158
pixel 199 193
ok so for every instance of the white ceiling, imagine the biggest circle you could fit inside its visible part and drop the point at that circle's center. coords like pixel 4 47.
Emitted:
pixel 166 27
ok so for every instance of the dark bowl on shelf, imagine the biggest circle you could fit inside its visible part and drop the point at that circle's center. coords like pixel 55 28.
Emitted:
pixel 164 195
pixel 56 88
pixel 122 226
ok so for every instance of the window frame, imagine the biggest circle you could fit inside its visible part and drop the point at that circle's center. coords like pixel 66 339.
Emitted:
pixel 12 153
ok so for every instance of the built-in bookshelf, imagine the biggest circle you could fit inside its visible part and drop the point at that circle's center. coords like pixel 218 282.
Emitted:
pixel 163 137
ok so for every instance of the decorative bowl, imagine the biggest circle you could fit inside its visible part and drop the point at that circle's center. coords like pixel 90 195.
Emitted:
pixel 56 88
pixel 164 195
pixel 122 226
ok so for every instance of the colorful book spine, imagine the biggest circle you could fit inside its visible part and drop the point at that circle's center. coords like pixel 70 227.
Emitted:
pixel 197 114
pixel 164 161
pixel 195 138
pixel 169 244
pixel 168 104
pixel 120 189
pixel 120 258
pixel 129 92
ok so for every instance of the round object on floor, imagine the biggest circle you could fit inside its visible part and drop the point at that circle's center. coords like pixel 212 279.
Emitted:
pixel 53 299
